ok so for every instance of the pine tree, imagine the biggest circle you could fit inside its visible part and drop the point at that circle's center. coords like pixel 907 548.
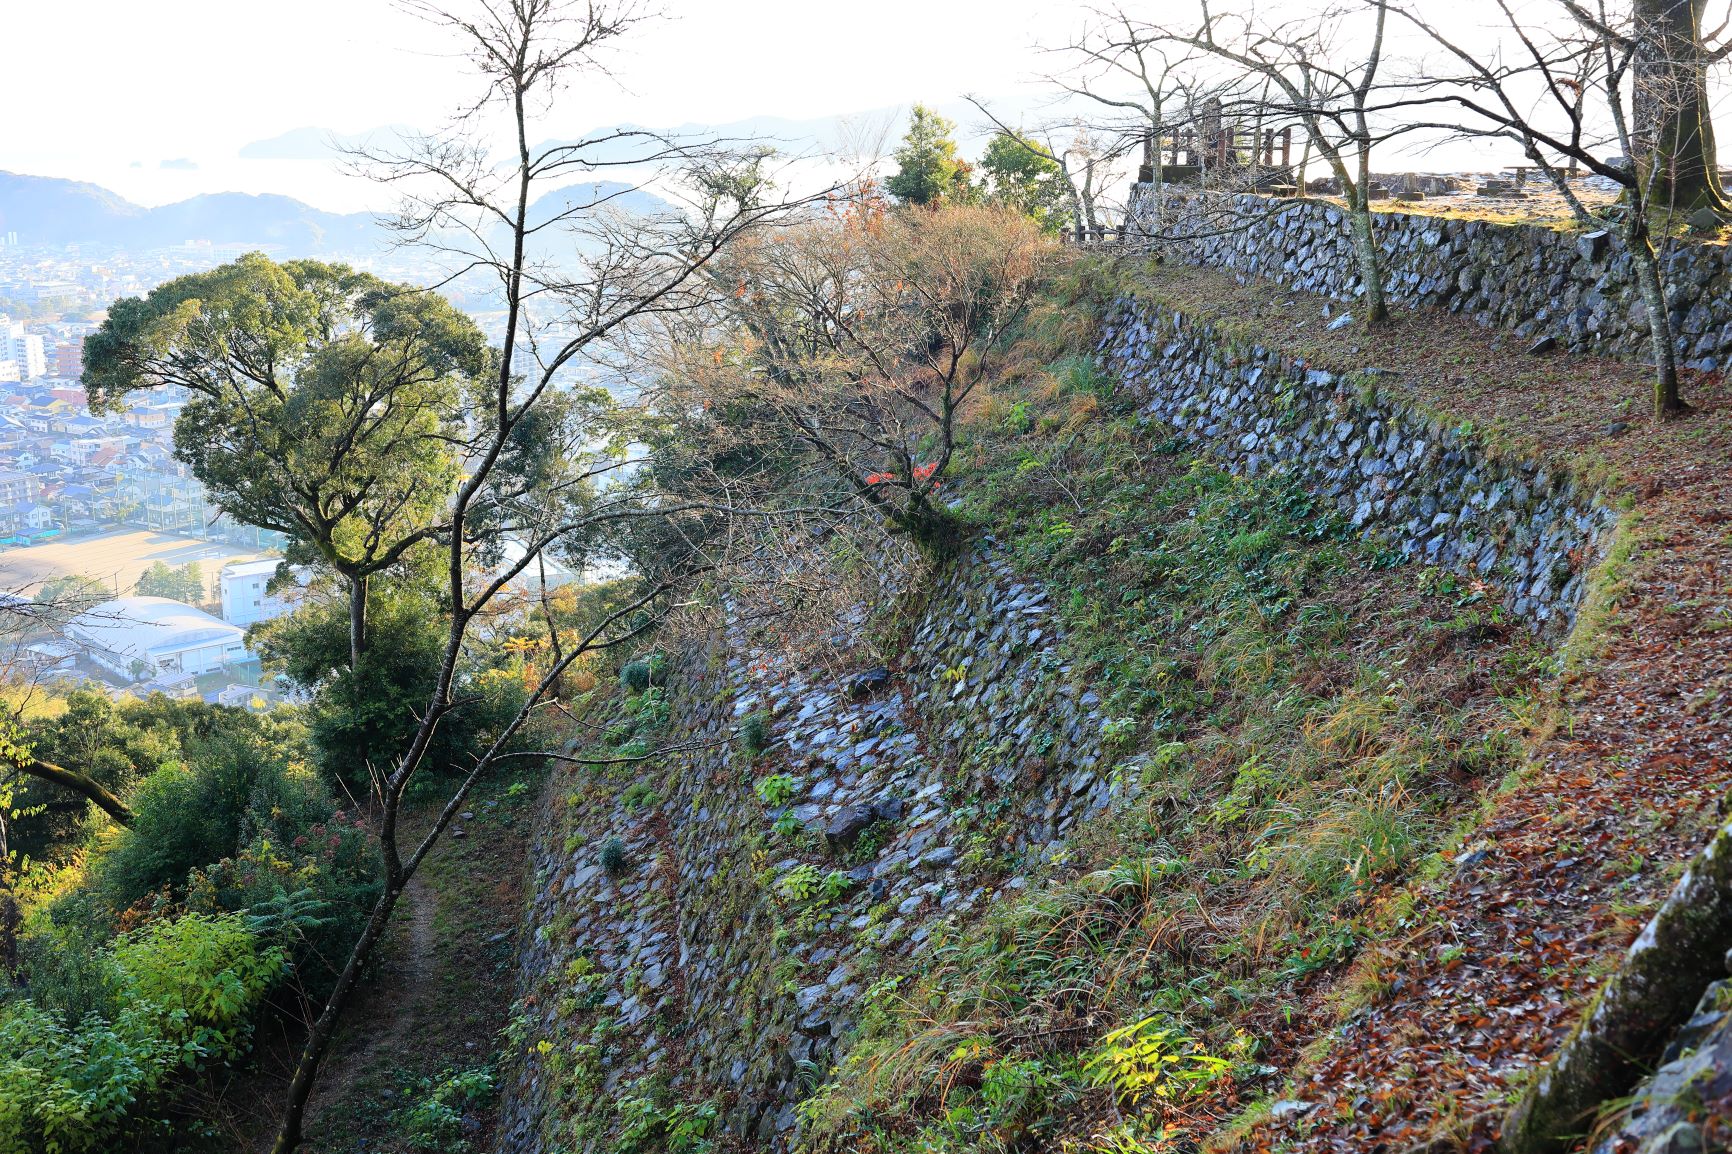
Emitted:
pixel 929 170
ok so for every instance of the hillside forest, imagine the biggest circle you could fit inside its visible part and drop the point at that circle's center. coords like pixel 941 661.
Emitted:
pixel 1029 684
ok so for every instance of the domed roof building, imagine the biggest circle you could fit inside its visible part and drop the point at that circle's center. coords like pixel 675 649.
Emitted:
pixel 138 638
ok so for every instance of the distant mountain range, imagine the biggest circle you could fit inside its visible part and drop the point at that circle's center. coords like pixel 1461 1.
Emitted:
pixel 49 210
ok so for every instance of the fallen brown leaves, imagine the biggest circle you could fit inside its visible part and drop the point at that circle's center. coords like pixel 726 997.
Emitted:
pixel 1563 872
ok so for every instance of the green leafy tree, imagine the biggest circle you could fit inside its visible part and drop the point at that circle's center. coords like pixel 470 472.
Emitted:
pixel 327 404
pixel 363 714
pixel 184 583
pixel 71 587
pixel 928 169
pixel 1030 182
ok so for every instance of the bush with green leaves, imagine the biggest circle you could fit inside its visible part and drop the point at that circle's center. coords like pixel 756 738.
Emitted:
pixel 640 673
pixel 311 893
pixel 433 1121
pixel 233 819
pixel 800 884
pixel 241 780
pixel 639 795
pixel 1146 1059
pixel 775 790
pixel 648 1125
pixel 181 993
pixel 755 731
pixel 613 856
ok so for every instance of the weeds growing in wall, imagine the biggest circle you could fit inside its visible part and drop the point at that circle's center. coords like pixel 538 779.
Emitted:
pixel 1310 716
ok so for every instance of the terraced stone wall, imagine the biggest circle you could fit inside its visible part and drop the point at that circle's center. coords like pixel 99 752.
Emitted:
pixel 1537 281
pixel 706 981
pixel 1422 486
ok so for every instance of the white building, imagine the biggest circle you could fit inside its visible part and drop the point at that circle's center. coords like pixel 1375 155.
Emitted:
pixel 25 350
pixel 141 638
pixel 244 598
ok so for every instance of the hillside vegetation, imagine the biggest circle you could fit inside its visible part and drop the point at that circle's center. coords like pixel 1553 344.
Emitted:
pixel 1366 797
pixel 1310 717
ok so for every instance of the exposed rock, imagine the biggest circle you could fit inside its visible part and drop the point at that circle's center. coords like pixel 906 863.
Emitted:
pixel 888 809
pixel 1705 221
pixel 865 682
pixel 849 822
pixel 941 858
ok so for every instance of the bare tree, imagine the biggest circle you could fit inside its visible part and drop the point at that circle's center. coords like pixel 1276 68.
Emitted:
pixel 1323 69
pixel 857 337
pixel 1560 90
pixel 567 275
pixel 1139 81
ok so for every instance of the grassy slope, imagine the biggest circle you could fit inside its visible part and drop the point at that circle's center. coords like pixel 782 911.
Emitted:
pixel 1505 950
pixel 1319 725
pixel 1313 718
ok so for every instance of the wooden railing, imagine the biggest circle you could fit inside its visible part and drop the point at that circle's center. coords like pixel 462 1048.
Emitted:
pixel 1233 146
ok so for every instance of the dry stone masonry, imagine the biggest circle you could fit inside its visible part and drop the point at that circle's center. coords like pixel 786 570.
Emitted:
pixel 702 979
pixel 1576 287
pixel 682 971
pixel 1422 486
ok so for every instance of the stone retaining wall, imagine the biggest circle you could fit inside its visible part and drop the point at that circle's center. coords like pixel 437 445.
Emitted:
pixel 1423 487
pixel 682 970
pixel 1537 281
pixel 705 982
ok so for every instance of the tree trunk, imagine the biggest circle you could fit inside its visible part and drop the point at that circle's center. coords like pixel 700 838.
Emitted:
pixel 1678 954
pixel 325 1026
pixel 1365 248
pixel 78 783
pixel 1675 154
pixel 357 620
pixel 1158 175
pixel 1667 401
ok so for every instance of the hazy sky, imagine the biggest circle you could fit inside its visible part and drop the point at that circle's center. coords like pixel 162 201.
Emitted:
pixel 154 99
pixel 112 89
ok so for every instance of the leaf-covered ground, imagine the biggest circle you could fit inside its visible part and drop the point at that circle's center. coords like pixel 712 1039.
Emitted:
pixel 1391 847
pixel 1499 954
